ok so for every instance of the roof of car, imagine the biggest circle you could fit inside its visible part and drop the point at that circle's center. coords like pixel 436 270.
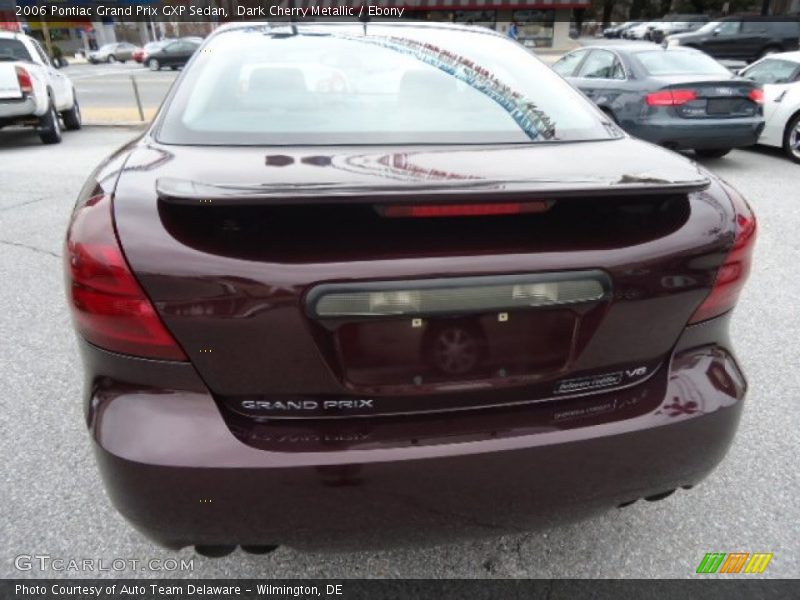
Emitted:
pixel 793 56
pixel 636 47
pixel 316 25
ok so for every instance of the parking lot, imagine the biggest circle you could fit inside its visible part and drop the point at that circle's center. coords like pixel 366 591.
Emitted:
pixel 54 503
pixel 106 91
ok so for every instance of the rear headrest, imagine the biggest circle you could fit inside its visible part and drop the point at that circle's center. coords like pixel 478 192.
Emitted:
pixel 277 79
pixel 426 86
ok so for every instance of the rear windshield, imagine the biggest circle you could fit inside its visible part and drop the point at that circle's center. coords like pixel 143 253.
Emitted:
pixel 401 85
pixel 679 62
pixel 13 50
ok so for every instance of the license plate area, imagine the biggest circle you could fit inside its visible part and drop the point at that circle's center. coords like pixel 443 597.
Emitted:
pixel 729 106
pixel 425 351
pixel 422 333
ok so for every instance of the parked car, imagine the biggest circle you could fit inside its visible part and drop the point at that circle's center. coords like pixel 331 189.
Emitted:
pixel 616 31
pixel 140 54
pixel 779 74
pixel 173 54
pixel 638 31
pixel 270 360
pixel 647 35
pixel 742 38
pixel 680 24
pixel 110 53
pixel 678 97
pixel 32 90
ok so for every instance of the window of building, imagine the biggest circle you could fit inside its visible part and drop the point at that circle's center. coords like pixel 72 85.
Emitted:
pixel 535 27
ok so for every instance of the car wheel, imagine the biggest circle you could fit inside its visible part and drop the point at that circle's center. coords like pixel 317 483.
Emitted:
pixel 173 67
pixel 259 549
pixel 72 117
pixel 49 127
pixel 712 152
pixel 791 138
pixel 154 65
pixel 214 551
pixel 112 58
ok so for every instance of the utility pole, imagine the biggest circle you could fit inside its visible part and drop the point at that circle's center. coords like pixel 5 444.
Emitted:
pixel 48 43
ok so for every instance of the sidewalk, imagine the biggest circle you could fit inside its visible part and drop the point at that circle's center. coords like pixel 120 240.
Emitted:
pixel 116 115
pixel 551 55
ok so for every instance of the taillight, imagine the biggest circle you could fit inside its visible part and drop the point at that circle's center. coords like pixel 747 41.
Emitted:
pixel 464 210
pixel 24 80
pixel 670 97
pixel 756 95
pixel 733 273
pixel 109 307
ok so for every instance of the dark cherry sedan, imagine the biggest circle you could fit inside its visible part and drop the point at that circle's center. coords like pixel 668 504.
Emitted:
pixel 393 284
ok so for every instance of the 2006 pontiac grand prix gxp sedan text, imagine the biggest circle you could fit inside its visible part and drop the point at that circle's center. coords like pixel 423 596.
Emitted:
pixel 395 283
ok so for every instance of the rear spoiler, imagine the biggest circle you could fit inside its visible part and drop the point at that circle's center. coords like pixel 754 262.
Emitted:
pixel 188 192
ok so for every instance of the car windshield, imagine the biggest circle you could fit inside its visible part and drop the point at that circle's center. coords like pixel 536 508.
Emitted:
pixel 334 84
pixel 13 50
pixel 772 70
pixel 107 47
pixel 679 62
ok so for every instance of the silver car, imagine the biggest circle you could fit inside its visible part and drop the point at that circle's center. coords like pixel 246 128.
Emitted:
pixel 110 53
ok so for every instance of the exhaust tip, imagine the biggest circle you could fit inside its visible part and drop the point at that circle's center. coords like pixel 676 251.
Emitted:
pixel 661 496
pixel 214 551
pixel 655 497
pixel 266 549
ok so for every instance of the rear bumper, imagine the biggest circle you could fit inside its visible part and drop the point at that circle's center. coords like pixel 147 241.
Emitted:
pixel 175 469
pixel 14 109
pixel 685 134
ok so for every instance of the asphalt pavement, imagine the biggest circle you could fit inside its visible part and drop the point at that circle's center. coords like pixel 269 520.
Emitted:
pixel 106 92
pixel 53 502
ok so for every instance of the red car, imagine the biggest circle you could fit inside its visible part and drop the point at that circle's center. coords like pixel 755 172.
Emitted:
pixel 394 283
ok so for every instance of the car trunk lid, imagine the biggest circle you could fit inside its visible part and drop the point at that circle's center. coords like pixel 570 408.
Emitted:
pixel 715 98
pixel 298 300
